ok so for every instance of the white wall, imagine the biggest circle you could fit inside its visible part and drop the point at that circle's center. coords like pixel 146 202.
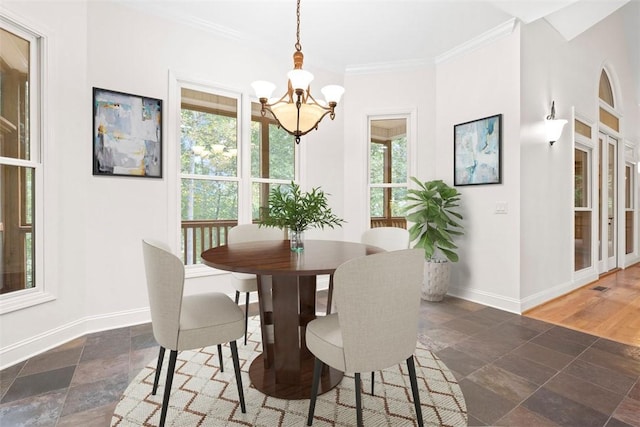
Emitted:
pixel 67 153
pixel 567 72
pixel 478 84
pixel 380 93
pixel 97 259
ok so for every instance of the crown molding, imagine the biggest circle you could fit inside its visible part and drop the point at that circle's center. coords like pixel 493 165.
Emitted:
pixel 483 39
pixel 191 21
pixel 382 67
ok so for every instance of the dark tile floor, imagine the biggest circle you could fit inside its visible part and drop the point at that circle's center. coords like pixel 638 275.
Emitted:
pixel 513 371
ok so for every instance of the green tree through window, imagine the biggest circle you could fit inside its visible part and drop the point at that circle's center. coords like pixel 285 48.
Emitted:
pixel 210 168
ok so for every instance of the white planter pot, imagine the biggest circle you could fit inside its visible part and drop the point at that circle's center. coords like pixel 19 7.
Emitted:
pixel 436 280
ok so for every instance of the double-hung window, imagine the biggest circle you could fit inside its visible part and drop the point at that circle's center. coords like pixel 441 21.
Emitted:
pixel 209 169
pixel 21 167
pixel 583 196
pixel 272 160
pixel 218 188
pixel 388 171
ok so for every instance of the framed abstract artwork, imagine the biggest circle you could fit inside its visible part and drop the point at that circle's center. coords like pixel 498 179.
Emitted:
pixel 127 134
pixel 477 151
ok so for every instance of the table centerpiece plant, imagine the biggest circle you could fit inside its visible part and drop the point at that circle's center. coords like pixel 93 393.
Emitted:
pixel 291 208
pixel 433 208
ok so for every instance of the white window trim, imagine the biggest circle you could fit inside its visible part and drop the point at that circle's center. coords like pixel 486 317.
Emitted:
pixel 45 288
pixel 178 80
pixel 589 145
pixel 411 116
pixel 630 154
pixel 200 270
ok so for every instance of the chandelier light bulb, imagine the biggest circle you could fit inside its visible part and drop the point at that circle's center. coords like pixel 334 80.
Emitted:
pixel 263 89
pixel 300 79
pixel 332 93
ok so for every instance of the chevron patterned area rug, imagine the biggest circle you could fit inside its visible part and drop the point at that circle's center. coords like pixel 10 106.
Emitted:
pixel 204 396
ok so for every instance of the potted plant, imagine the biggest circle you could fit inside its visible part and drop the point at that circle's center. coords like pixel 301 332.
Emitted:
pixel 297 211
pixel 433 210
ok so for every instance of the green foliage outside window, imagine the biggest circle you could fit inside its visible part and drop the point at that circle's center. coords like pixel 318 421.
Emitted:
pixel 280 155
pixel 208 149
pixel 397 174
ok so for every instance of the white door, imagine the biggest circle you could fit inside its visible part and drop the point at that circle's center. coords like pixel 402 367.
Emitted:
pixel 608 206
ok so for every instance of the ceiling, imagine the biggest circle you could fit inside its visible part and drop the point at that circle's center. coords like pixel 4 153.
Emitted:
pixel 347 35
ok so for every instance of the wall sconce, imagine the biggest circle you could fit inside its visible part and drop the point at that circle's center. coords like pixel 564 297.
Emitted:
pixel 554 126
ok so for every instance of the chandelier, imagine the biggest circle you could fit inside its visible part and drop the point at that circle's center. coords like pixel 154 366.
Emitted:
pixel 297 111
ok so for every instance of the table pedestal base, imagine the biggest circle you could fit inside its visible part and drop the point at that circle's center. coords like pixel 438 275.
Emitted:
pixel 264 379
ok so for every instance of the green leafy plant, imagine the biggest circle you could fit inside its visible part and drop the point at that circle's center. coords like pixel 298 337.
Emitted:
pixel 290 207
pixel 433 211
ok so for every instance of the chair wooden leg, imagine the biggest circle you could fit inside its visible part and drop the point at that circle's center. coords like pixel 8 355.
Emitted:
pixel 358 400
pixel 317 370
pixel 237 297
pixel 246 318
pixel 158 369
pixel 236 367
pixel 373 381
pixel 414 389
pixel 220 357
pixel 167 387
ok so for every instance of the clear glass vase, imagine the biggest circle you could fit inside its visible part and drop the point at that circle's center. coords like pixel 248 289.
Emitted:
pixel 296 240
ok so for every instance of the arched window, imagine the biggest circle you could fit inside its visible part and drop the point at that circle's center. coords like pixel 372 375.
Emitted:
pixel 605 92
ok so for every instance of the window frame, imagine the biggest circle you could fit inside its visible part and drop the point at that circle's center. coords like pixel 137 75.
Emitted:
pixel 177 81
pixel 629 206
pixel 237 178
pixel 260 180
pixel 45 287
pixel 588 205
pixel 410 117
pixel 588 144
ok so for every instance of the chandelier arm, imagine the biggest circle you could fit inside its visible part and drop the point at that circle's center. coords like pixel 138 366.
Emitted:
pixel 310 97
pixel 286 98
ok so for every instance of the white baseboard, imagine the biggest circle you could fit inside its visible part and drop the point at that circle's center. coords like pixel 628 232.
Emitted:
pixel 25 349
pixel 520 306
pixel 487 298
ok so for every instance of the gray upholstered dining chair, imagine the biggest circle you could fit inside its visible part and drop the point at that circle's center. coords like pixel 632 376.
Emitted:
pixel 186 322
pixel 243 282
pixel 389 239
pixel 377 323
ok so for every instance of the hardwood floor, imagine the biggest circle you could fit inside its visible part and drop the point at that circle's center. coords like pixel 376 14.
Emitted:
pixel 608 308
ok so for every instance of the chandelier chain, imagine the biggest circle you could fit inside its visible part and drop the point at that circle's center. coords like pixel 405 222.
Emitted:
pixel 298 45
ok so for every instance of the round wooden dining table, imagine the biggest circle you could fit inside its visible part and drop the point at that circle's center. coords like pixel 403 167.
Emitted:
pixel 287 302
